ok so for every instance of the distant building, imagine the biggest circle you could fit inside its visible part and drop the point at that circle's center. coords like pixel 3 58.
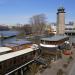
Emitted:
pixel 53 26
pixel 68 27
pixel 2 28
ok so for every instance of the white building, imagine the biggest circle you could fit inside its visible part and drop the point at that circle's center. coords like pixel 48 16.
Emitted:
pixel 68 27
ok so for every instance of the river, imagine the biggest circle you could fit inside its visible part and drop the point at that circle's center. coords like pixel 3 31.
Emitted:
pixel 7 34
pixel 10 33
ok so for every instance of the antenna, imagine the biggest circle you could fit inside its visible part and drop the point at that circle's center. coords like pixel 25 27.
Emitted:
pixel 61 3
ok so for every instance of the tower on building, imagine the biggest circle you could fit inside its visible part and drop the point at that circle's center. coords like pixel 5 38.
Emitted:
pixel 61 21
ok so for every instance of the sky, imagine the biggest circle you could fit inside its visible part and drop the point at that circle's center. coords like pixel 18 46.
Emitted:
pixel 20 11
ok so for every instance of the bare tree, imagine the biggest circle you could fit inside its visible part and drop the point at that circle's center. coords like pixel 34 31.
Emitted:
pixel 34 68
pixel 48 30
pixel 38 23
pixel 60 72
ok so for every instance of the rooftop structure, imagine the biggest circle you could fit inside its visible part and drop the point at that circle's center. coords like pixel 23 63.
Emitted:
pixel 4 49
pixel 68 26
pixel 61 10
pixel 20 42
pixel 10 45
pixel 15 54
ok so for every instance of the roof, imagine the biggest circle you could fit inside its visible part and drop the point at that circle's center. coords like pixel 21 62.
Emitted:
pixel 20 42
pixel 10 45
pixel 14 54
pixel 4 49
pixel 17 43
pixel 55 38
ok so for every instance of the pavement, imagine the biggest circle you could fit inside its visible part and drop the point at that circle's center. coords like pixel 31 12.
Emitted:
pixel 72 69
pixel 55 66
pixel 53 70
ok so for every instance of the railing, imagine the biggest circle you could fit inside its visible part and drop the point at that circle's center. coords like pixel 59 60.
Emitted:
pixel 19 67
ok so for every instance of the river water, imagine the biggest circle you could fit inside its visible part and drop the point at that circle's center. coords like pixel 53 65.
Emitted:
pixel 9 33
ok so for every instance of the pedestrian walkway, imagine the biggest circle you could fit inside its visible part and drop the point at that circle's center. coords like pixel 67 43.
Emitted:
pixel 55 66
pixel 72 71
pixel 71 68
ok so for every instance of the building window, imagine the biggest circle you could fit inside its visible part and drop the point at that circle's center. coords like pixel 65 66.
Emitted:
pixel 44 42
pixel 14 60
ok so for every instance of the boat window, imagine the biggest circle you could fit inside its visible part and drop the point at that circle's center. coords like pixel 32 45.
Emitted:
pixel 0 66
pixel 14 60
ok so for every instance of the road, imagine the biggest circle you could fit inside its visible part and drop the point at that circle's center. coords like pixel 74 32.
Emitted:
pixel 54 68
pixel 72 71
